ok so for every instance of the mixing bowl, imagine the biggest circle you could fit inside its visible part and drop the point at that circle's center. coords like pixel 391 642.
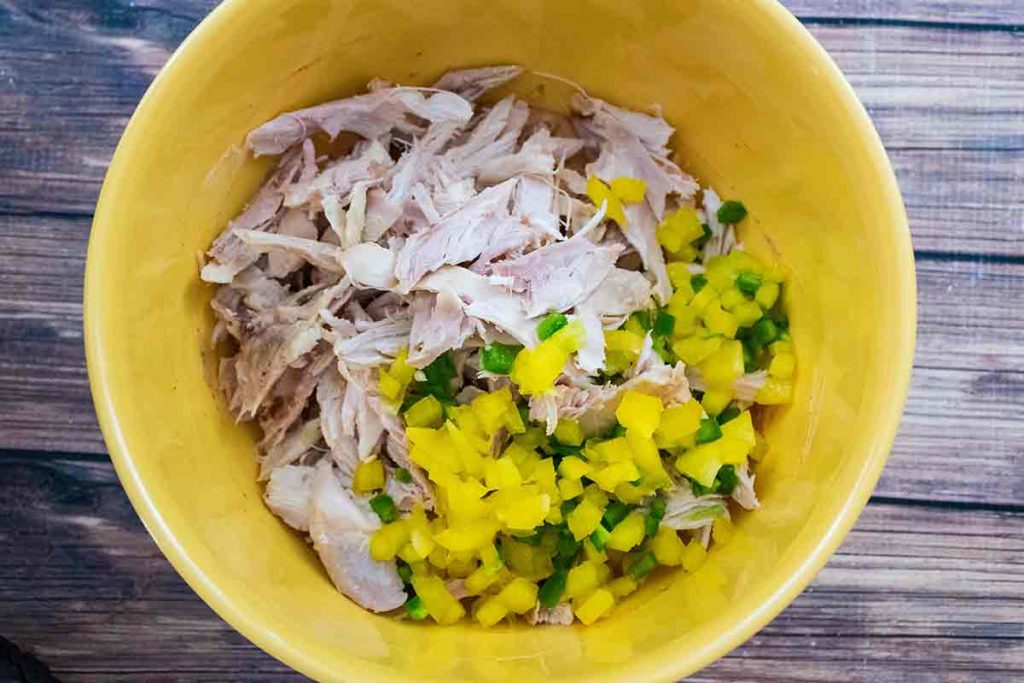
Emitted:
pixel 761 114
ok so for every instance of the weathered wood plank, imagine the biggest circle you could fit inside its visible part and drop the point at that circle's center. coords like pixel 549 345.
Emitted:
pixel 913 589
pixel 970 365
pixel 993 14
pixel 948 105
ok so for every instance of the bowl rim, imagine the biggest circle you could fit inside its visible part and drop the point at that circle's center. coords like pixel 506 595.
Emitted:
pixel 656 664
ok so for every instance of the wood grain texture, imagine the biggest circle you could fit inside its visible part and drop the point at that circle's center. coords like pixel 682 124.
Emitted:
pixel 928 586
pixel 82 580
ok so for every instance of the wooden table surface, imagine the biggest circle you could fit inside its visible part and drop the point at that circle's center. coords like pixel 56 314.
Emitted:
pixel 929 585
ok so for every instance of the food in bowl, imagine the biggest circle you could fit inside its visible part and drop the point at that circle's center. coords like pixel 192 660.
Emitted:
pixel 505 361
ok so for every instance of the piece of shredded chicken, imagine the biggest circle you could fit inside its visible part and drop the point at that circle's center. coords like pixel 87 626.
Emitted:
pixel 448 224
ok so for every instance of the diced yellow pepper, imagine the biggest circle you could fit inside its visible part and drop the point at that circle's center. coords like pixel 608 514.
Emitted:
pixel 514 421
pixel 614 474
pixel 502 473
pixel 677 423
pixel 693 350
pixel 598 193
pixel 693 555
pixel 570 488
pixel 491 408
pixel 594 606
pixel 741 428
pixel 628 533
pixel 700 463
pixel 521 509
pixel 703 299
pixel 490 612
pixel 775 391
pixel 624 341
pixel 622 586
pixel 720 321
pixel 731 298
pixel 720 272
pixel 783 366
pixel 480 580
pixel 368 476
pixel 389 387
pixel 667 547
pixel 426 412
pixel 647 459
pixel 748 313
pixel 639 412
pixel 627 189
pixel 569 432
pixel 519 595
pixel 767 294
pixel 535 370
pixel 466 537
pixel 679 275
pixel 596 496
pixel 388 540
pixel 573 467
pixel 440 604
pixel 584 519
pixel 724 366
pixel 716 399
pixel 582 579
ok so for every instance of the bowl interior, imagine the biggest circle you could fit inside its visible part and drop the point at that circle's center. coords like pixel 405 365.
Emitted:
pixel 761 115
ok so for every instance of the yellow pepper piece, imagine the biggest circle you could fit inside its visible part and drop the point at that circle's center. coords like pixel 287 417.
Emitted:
pixel 569 488
pixel 595 606
pixel 767 294
pixel 704 298
pixel 622 586
pixel 724 366
pixel 569 432
pixel 648 460
pixel 368 476
pixel 490 409
pixel 667 547
pixel 440 604
pixel 783 366
pixel 502 473
pixel 490 612
pixel 426 412
pixel 628 533
pixel 700 464
pixel 466 537
pixel 584 519
pixel 716 399
pixel 535 370
pixel 521 509
pixel 624 341
pixel 747 313
pixel 741 428
pixel 693 555
pixel 679 275
pixel 630 190
pixel 677 423
pixel 480 580
pixel 600 193
pixel 614 474
pixel 388 540
pixel 720 321
pixel 639 412
pixel 519 595
pixel 582 579
pixel 693 350
pixel 678 229
pixel 573 467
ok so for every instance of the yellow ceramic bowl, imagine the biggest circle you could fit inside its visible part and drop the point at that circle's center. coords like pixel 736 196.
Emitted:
pixel 761 113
